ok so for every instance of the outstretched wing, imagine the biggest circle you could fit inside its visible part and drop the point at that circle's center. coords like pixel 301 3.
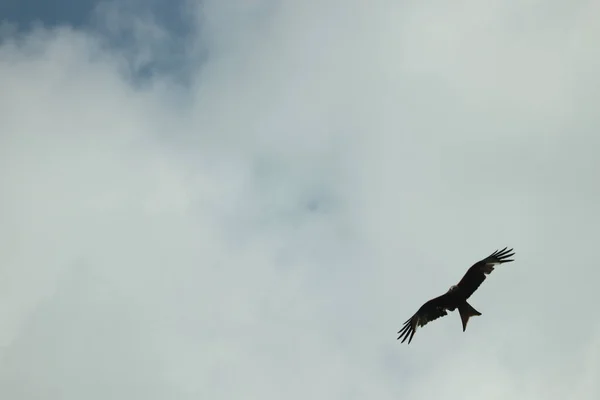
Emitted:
pixel 431 310
pixel 476 274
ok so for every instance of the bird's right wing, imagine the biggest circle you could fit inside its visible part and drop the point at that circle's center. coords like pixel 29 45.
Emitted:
pixel 431 310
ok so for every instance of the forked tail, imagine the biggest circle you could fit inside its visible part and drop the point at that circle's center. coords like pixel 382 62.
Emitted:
pixel 466 311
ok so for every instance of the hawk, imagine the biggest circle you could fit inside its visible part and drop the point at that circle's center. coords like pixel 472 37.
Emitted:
pixel 456 296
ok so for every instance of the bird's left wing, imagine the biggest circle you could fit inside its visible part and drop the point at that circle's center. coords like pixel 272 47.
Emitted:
pixel 475 275
pixel 431 310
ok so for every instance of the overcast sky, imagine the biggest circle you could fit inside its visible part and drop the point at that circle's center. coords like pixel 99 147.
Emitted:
pixel 247 198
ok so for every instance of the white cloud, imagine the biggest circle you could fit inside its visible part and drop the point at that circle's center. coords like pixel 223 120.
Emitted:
pixel 265 231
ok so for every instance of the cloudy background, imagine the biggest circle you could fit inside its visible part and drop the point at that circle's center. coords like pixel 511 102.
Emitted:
pixel 245 199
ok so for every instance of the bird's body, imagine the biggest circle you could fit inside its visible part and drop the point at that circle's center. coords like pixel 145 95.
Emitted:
pixel 456 296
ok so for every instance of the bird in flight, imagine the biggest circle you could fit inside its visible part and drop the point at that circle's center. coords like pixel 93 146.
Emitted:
pixel 456 296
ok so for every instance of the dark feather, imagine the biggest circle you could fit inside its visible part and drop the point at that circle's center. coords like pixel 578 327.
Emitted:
pixel 475 275
pixel 431 310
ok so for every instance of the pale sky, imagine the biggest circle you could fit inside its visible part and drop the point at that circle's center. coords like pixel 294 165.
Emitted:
pixel 250 207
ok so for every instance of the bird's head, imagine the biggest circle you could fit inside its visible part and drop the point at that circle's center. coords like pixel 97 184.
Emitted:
pixel 452 288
